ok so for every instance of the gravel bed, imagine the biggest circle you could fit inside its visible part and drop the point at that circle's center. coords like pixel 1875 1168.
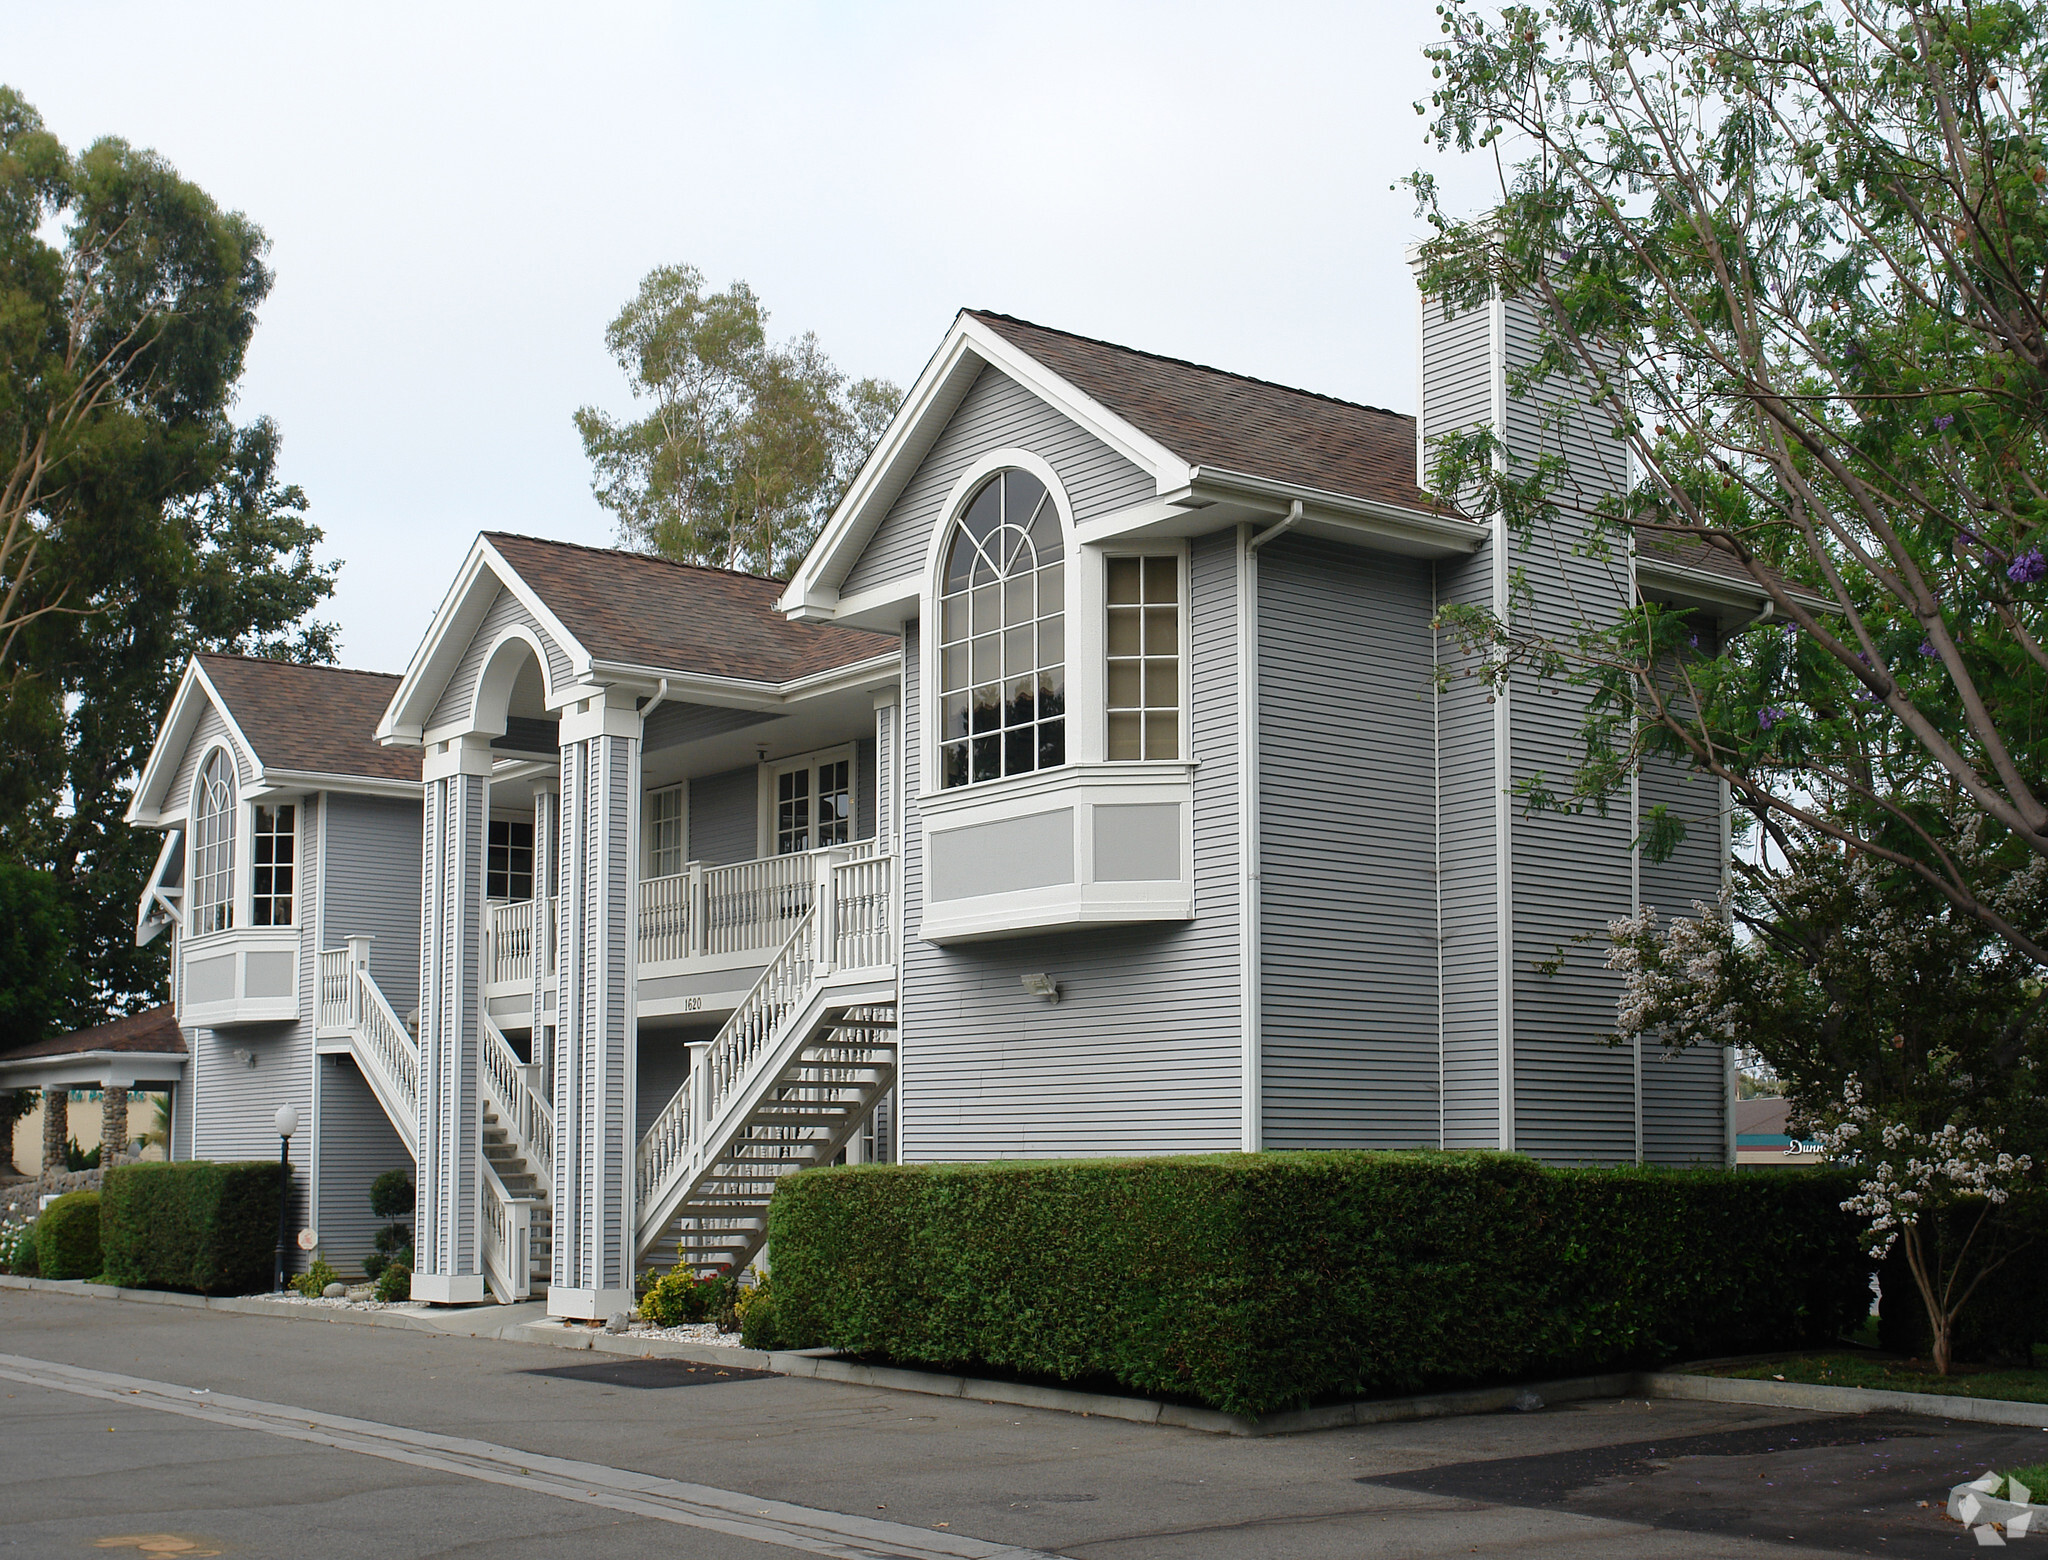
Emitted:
pixel 321 1302
pixel 689 1332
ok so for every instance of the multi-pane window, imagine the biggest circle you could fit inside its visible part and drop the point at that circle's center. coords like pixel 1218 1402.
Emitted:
pixel 792 811
pixel 665 832
pixel 1143 596
pixel 835 803
pixel 813 805
pixel 273 865
pixel 213 846
pixel 1002 635
pixel 508 860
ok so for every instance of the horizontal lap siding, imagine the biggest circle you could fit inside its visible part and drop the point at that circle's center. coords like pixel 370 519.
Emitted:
pixel 372 888
pixel 996 413
pixel 864 782
pixel 505 611
pixel 1575 1095
pixel 1347 863
pixel 725 817
pixel 1684 1095
pixel 1143 1054
pixel 357 1145
pixel 1456 396
pixel 211 729
pixel 675 724
pixel 661 1064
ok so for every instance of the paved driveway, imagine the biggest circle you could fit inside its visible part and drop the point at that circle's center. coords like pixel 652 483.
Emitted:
pixel 206 1432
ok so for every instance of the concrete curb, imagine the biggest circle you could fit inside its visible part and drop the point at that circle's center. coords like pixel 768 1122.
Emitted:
pixel 1839 1400
pixel 824 1365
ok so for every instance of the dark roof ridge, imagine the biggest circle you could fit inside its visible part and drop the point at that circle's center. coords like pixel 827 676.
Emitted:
pixel 638 557
pixel 304 666
pixel 1202 368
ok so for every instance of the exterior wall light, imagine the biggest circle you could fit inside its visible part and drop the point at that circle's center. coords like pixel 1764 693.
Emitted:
pixel 1042 986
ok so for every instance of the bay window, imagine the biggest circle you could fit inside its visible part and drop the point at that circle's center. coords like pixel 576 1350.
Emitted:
pixel 213 845
pixel 274 864
pixel 1142 636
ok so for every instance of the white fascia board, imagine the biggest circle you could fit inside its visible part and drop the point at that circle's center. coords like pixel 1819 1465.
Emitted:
pixel 93 1069
pixel 145 808
pixel 454 624
pixel 1705 588
pixel 1415 530
pixel 146 811
pixel 812 594
pixel 748 693
pixel 301 781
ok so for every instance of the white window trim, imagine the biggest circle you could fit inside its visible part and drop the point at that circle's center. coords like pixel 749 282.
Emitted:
pixel 245 865
pixel 764 841
pixel 682 790
pixel 238 909
pixel 1085 669
pixel 509 815
pixel 1161 548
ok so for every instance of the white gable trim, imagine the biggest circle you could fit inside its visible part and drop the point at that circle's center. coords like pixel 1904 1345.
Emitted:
pixel 195 692
pixel 484 572
pixel 813 593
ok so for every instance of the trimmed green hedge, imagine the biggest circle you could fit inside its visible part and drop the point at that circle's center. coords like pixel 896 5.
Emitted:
pixel 68 1237
pixel 192 1225
pixel 1258 1282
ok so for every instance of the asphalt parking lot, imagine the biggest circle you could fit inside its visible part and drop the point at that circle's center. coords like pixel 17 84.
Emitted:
pixel 152 1430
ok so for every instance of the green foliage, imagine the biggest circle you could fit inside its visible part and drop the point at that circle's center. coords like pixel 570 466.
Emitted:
pixel 68 1237
pixel 194 1225
pixel 755 1309
pixel 395 1282
pixel 747 446
pixel 146 525
pixel 2005 1317
pixel 1260 1282
pixel 76 1158
pixel 679 1297
pixel 1796 256
pixel 40 981
pixel 392 1196
pixel 18 1244
pixel 318 1275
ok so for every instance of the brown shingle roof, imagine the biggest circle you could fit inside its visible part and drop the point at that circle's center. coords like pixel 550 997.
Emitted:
pixel 1211 418
pixel 646 611
pixel 154 1033
pixel 322 719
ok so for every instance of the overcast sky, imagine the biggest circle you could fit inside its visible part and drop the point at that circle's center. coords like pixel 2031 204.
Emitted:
pixel 458 199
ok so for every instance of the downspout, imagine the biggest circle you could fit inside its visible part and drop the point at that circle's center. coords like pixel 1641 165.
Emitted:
pixel 654 703
pixel 1250 954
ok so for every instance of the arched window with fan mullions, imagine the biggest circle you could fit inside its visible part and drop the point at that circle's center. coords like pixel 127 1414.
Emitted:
pixel 1002 635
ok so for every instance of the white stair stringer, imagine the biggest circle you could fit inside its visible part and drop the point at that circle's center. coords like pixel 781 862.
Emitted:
pixel 791 1076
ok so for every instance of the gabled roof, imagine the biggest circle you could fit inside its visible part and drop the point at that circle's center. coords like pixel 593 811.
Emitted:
pixel 299 725
pixel 633 609
pixel 1212 418
pixel 153 1033
pixel 1219 448
pixel 628 617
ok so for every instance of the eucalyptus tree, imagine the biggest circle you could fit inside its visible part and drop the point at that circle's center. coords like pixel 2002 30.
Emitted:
pixel 1799 254
pixel 745 445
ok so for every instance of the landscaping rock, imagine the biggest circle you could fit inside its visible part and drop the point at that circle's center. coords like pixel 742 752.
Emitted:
pixel 336 1291
pixel 617 1322
pixel 361 1292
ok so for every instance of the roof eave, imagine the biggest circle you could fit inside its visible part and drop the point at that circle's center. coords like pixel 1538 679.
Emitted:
pixel 1410 530
pixel 328 780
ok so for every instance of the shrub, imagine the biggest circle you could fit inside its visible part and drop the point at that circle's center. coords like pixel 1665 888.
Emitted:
pixel 679 1296
pixel 755 1308
pixel 373 1264
pixel 76 1158
pixel 314 1281
pixel 1257 1282
pixel 68 1237
pixel 193 1225
pixel 395 1283
pixel 18 1249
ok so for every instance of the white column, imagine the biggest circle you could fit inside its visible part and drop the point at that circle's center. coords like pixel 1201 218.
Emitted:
pixel 888 771
pixel 547 863
pixel 596 1034
pixel 447 1266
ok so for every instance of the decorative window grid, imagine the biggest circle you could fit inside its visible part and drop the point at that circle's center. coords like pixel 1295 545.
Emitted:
pixel 1002 635
pixel 665 832
pixel 213 846
pixel 273 861
pixel 508 860
pixel 1142 597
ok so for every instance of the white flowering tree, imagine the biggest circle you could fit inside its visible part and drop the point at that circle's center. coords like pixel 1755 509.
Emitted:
pixel 1911 1039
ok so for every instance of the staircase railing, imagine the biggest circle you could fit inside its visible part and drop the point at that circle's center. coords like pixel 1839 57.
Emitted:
pixel 331 1015
pixel 863 913
pixel 388 1056
pixel 513 1087
pixel 670 1145
pixel 509 943
pixel 507 1239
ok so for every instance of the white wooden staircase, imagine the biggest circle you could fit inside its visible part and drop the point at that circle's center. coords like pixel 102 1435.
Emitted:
pixel 786 1083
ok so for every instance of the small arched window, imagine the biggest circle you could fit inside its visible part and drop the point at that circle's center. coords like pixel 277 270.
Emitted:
pixel 213 846
pixel 1002 635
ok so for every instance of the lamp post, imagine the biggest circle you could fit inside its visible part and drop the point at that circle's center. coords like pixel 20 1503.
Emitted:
pixel 287 1124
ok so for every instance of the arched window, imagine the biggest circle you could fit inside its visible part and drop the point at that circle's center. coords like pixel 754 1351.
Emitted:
pixel 213 846
pixel 1002 635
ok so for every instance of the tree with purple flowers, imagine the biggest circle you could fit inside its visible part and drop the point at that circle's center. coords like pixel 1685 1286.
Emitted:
pixel 1800 253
